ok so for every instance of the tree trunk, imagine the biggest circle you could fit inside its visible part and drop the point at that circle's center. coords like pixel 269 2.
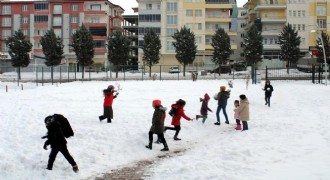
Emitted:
pixel 52 73
pixel 149 71
pixel 19 73
pixel 287 66
pixel 83 72
pixel 184 69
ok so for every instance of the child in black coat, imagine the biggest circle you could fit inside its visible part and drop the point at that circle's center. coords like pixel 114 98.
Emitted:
pixel 57 142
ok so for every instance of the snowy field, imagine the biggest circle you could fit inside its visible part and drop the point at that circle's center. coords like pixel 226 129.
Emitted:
pixel 289 140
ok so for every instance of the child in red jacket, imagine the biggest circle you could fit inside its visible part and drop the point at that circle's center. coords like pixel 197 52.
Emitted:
pixel 176 118
pixel 107 105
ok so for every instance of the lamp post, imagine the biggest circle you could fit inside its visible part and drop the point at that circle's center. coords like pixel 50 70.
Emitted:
pixel 324 56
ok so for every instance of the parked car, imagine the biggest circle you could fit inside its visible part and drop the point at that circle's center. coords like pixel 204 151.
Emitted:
pixel 239 67
pixel 222 70
pixel 174 69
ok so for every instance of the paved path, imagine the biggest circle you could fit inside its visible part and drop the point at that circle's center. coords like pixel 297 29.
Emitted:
pixel 137 170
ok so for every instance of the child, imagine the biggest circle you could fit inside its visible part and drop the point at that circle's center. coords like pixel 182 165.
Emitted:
pixel 268 92
pixel 236 116
pixel 222 98
pixel 157 126
pixel 243 110
pixel 107 105
pixel 176 118
pixel 204 107
pixel 57 142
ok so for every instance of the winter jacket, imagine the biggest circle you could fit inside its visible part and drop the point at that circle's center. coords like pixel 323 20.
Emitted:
pixel 108 99
pixel 205 107
pixel 179 113
pixel 55 136
pixel 158 119
pixel 268 90
pixel 223 97
pixel 236 114
pixel 243 110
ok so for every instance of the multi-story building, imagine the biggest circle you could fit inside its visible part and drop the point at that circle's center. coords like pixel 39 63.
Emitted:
pixel 34 18
pixel 272 15
pixel 202 17
pixel 131 29
pixel 241 24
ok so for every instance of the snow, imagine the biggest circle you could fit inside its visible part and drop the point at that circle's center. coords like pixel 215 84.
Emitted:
pixel 289 140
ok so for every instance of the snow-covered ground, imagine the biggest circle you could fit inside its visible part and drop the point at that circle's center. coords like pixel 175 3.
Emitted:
pixel 289 140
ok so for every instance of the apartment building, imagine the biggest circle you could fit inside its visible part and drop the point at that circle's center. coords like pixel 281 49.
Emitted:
pixel 34 18
pixel 241 22
pixel 272 15
pixel 203 17
pixel 131 29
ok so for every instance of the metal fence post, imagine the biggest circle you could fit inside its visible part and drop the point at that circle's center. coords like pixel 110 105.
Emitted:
pixel 42 76
pixel 160 72
pixel 60 74
pixel 313 74
pixel 266 73
pixel 36 76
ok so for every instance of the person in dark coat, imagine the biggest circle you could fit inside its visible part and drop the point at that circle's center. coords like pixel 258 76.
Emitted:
pixel 57 142
pixel 177 117
pixel 268 92
pixel 107 105
pixel 157 126
pixel 222 98
pixel 204 108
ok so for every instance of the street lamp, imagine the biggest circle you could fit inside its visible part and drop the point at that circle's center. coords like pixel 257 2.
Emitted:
pixel 324 56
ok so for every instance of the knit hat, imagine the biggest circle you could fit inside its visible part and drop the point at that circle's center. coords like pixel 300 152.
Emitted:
pixel 156 103
pixel 110 87
pixel 242 97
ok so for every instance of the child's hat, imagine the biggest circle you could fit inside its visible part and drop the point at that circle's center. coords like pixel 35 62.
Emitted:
pixel 110 87
pixel 156 102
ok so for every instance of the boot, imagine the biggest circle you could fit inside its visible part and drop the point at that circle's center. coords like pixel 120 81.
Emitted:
pixel 109 120
pixel 75 168
pixel 238 127
pixel 176 138
pixel 149 146
pixel 217 123
pixel 101 118
pixel 198 116
pixel 165 147
pixel 227 122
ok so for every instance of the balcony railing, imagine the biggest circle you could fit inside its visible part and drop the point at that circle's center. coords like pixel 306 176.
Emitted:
pixel 220 1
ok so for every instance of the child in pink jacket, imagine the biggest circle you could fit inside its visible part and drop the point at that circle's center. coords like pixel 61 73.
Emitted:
pixel 236 116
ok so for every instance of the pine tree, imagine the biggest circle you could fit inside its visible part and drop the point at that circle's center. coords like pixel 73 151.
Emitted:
pixel 185 47
pixel 118 49
pixel 222 47
pixel 326 41
pixel 83 46
pixel 19 48
pixel 253 47
pixel 151 47
pixel 52 48
pixel 289 42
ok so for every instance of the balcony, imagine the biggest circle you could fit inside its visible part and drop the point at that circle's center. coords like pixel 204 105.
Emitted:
pixel 95 12
pixel 220 2
pixel 273 19
pixel 270 6
pixel 217 19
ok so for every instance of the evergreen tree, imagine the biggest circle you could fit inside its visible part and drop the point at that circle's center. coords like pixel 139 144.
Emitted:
pixel 118 49
pixel 19 48
pixel 83 46
pixel 185 47
pixel 326 42
pixel 289 42
pixel 151 47
pixel 253 47
pixel 222 47
pixel 52 48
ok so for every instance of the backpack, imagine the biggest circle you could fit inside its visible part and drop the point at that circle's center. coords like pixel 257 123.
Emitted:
pixel 173 111
pixel 65 125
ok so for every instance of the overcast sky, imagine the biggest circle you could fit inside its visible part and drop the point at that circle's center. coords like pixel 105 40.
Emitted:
pixel 128 4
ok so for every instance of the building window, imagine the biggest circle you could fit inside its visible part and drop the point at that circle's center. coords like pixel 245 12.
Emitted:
pixel 40 32
pixel 96 7
pixel 294 26
pixel 57 9
pixel 322 23
pixel 189 12
pixel 58 32
pixel 294 13
pixel 198 39
pixel 148 6
pixel 149 18
pixel 299 13
pixel 290 13
pixel 37 45
pixel 189 25
pixel 25 32
pixel 303 13
pixel 57 21
pixel 6 9
pixel 99 44
pixel 198 26
pixel 6 22
pixel 6 33
pixel 303 27
pixel 74 31
pixel 40 19
pixel 299 27
pixel 170 31
pixel 321 11
pixel 95 20
pixel 198 13
pixel 265 41
pixel 171 19
pixel 25 20
pixel 74 19
pixel 25 7
pixel 74 7
pixel 41 7
pixel 158 6
pixel 169 46
pixel 172 6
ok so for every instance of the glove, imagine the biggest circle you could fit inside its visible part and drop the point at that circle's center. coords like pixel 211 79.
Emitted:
pixel 45 146
pixel 117 93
